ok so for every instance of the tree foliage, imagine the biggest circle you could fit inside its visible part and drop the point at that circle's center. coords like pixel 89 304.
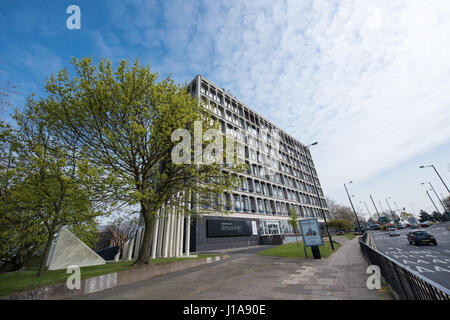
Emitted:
pixel 123 120
pixel 293 221
pixel 424 216
pixel 45 184
pixel 341 224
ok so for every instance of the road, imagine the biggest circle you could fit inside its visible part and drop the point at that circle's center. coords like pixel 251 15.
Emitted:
pixel 432 262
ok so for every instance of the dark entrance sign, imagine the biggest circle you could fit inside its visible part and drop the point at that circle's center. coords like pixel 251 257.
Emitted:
pixel 228 228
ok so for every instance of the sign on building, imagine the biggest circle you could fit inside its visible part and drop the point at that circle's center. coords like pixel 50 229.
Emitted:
pixel 311 233
pixel 228 228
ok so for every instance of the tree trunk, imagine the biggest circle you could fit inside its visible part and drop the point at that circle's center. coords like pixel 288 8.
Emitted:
pixel 144 252
pixel 46 252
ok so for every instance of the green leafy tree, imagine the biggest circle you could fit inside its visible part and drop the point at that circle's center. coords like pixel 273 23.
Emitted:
pixel 341 224
pixel 437 216
pixel 21 234
pixel 424 216
pixel 123 120
pixel 56 183
pixel 293 221
pixel 447 204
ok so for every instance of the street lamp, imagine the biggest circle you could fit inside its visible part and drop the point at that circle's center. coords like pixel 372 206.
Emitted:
pixel 373 202
pixel 382 210
pixel 388 204
pixel 318 197
pixel 350 199
pixel 432 201
pixel 437 174
pixel 423 183
pixel 366 207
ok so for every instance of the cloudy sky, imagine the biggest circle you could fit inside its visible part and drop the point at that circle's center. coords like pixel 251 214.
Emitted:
pixel 368 80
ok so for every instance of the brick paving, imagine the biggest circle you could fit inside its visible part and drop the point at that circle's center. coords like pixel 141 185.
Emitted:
pixel 248 276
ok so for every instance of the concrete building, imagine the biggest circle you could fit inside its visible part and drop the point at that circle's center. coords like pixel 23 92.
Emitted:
pixel 281 177
pixel 278 178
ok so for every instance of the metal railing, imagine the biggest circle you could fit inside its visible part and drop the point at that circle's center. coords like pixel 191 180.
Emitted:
pixel 408 284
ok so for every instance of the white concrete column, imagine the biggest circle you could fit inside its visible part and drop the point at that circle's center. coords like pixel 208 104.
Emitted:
pixel 167 234
pixel 125 250
pixel 177 244
pixel 130 250
pixel 174 233
pixel 180 252
pixel 161 233
pixel 155 235
pixel 187 235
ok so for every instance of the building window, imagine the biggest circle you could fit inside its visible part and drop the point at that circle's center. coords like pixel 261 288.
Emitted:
pixel 243 184
pixel 237 203
pixel 267 206
pixel 283 209
pixel 257 187
pixel 260 206
pixel 252 204
pixel 245 203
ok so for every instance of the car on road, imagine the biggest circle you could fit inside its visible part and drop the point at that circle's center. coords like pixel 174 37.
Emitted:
pixel 400 226
pixel 393 232
pixel 425 224
pixel 421 236
pixel 414 225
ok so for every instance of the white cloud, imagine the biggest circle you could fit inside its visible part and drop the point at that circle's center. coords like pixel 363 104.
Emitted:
pixel 368 80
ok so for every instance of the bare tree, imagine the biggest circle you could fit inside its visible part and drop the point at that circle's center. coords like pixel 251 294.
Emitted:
pixel 118 231
pixel 5 91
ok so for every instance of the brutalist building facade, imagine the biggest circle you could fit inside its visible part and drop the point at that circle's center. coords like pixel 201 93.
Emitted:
pixel 279 178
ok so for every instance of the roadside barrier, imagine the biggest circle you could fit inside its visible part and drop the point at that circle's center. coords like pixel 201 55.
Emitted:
pixel 408 284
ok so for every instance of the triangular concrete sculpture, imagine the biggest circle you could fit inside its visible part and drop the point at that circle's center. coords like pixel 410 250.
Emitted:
pixel 69 250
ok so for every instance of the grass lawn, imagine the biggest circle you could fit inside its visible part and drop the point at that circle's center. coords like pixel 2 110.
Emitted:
pixel 349 236
pixel 292 250
pixel 12 282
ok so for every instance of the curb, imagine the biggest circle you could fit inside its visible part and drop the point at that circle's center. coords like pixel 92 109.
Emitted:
pixel 90 285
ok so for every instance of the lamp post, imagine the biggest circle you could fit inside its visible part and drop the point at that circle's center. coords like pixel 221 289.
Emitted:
pixel 388 204
pixel 382 210
pixel 373 202
pixel 433 202
pixel 437 174
pixel 318 197
pixel 366 207
pixel 350 199
pixel 435 193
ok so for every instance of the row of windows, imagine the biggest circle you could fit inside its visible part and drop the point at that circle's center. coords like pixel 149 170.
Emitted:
pixel 271 190
pixel 262 141
pixel 275 227
pixel 285 163
pixel 265 173
pixel 249 204
pixel 216 95
pixel 278 166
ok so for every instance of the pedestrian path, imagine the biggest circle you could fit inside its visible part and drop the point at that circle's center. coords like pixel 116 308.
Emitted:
pixel 341 276
pixel 248 276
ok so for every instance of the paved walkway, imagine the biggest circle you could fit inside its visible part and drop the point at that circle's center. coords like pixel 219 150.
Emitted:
pixel 249 276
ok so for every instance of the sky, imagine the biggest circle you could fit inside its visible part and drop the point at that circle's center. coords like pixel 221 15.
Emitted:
pixel 368 80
